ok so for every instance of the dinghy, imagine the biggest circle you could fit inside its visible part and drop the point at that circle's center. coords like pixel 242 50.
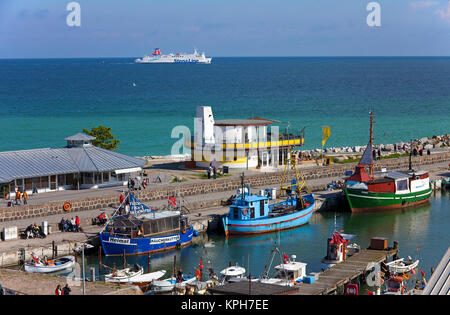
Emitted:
pixel 402 266
pixel 124 275
pixel 167 285
pixel 52 265
pixel 144 279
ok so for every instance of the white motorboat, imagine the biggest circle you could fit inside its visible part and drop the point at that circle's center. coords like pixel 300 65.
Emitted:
pixel 47 266
pixel 232 274
pixel 401 265
pixel 288 273
pixel 124 275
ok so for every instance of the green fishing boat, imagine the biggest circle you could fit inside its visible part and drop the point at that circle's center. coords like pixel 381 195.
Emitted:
pixel 385 190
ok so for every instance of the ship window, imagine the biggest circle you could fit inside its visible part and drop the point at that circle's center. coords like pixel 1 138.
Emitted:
pixel 402 184
pixel 261 210
pixel 236 212
pixel 252 213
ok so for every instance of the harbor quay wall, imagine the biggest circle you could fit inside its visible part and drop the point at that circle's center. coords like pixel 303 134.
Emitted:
pixel 200 187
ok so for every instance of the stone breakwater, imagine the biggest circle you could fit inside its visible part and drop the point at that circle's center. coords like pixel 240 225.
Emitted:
pixel 199 187
pixel 425 143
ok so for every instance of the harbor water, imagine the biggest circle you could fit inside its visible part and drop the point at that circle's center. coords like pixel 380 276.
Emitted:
pixel 422 233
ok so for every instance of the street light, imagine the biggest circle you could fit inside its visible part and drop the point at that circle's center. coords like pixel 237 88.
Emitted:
pixel 83 246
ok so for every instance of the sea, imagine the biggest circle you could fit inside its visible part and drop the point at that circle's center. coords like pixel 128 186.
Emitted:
pixel 42 101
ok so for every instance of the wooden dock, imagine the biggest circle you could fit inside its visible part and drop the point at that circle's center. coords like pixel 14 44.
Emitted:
pixel 340 274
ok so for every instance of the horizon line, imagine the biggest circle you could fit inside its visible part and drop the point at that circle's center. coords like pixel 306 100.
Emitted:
pixel 324 56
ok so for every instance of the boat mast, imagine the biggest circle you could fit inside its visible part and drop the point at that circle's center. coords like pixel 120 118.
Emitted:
pixel 371 143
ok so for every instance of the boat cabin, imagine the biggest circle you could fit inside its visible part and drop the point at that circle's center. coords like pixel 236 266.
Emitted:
pixel 337 246
pixel 394 285
pixel 394 182
pixel 249 207
pixel 232 274
pixel 149 224
pixel 291 270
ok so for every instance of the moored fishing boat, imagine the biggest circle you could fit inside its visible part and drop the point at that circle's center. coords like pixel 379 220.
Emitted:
pixel 288 273
pixel 144 230
pixel 401 266
pixel 255 214
pixel 46 266
pixel 385 190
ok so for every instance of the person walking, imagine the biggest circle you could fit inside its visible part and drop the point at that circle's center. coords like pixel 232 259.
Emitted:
pixel 208 172
pixel 214 172
pixel 25 197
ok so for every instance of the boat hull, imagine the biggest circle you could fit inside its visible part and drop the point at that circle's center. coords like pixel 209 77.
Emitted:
pixel 70 262
pixel 360 200
pixel 268 225
pixel 115 245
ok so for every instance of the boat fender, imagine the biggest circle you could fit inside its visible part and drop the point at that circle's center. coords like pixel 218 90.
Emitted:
pixel 67 206
pixel 245 212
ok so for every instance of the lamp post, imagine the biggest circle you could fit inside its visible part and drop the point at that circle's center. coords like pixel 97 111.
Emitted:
pixel 83 246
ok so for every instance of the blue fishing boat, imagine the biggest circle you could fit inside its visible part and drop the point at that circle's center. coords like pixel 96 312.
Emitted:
pixel 254 214
pixel 264 213
pixel 143 230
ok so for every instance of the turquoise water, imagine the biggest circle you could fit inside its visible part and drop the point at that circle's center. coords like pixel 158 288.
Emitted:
pixel 44 101
pixel 425 227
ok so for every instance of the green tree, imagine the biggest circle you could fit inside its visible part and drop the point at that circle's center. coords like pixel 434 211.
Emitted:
pixel 104 137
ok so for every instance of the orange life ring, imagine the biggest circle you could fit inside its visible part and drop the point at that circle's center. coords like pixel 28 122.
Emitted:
pixel 245 211
pixel 67 206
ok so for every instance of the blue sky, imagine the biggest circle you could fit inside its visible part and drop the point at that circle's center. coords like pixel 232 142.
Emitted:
pixel 132 28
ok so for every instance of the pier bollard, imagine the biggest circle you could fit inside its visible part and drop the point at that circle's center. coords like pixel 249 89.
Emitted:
pixel 396 249
pixel 93 274
pixel 175 265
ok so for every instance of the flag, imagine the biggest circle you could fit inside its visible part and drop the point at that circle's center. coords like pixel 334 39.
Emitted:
pixel 369 292
pixel 326 134
pixel 423 273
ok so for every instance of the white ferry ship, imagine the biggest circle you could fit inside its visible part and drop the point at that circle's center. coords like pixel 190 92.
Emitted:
pixel 157 57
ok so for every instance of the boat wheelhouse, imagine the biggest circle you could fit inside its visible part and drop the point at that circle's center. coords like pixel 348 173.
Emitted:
pixel 145 230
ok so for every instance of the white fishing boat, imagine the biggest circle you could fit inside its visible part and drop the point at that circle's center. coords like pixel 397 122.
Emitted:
pixel 124 275
pixel 288 273
pixel 401 265
pixel 47 266
pixel 167 285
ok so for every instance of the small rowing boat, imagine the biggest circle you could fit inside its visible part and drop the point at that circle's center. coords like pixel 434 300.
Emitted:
pixel 124 275
pixel 401 265
pixel 47 266
pixel 167 285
